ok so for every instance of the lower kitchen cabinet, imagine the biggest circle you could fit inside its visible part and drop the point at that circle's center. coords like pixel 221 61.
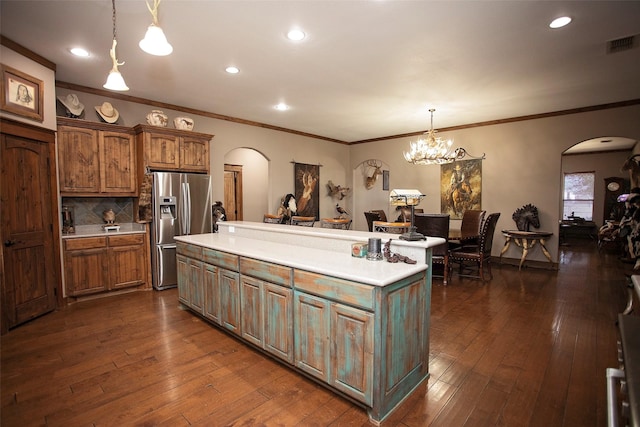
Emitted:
pixel 211 293
pixel 102 264
pixel 191 290
pixel 229 283
pixel 334 342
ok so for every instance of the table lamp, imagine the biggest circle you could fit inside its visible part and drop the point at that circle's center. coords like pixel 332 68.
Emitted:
pixel 408 198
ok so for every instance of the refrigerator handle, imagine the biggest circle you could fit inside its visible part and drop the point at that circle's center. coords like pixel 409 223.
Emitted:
pixel 187 204
pixel 183 208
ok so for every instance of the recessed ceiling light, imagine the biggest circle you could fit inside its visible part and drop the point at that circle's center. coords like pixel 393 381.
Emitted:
pixel 78 51
pixel 560 22
pixel 282 107
pixel 232 70
pixel 296 35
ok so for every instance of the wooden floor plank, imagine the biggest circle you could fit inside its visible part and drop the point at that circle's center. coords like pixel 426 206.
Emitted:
pixel 528 348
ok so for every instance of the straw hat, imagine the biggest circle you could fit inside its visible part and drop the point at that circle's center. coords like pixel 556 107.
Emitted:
pixel 72 103
pixel 107 112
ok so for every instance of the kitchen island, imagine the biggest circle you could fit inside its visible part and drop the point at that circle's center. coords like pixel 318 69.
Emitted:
pixel 359 327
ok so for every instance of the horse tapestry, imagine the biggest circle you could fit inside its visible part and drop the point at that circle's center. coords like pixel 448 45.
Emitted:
pixel 306 189
pixel 460 187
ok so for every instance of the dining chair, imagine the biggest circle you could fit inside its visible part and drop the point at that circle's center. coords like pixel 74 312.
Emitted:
pixel 272 219
pixel 375 215
pixel 304 221
pixel 405 213
pixel 479 254
pixel 335 223
pixel 436 225
pixel 470 227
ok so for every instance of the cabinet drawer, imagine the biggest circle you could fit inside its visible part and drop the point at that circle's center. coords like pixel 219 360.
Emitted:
pixel 221 259
pixel 351 293
pixel 190 251
pixel 273 273
pixel 126 240
pixel 85 243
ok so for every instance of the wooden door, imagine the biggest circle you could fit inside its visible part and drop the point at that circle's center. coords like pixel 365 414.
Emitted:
pixel 30 273
pixel 233 192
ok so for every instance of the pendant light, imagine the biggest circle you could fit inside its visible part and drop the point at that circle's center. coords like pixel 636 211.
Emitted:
pixel 115 81
pixel 155 42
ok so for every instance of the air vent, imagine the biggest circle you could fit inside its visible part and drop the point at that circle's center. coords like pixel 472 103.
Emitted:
pixel 622 44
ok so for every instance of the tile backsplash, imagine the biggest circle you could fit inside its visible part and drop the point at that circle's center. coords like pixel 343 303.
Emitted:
pixel 88 210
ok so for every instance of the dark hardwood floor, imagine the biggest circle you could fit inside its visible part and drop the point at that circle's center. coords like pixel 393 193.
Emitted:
pixel 529 348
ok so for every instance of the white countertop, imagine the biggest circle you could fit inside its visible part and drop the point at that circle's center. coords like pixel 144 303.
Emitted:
pixel 337 263
pixel 98 231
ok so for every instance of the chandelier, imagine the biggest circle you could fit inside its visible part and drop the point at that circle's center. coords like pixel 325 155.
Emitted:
pixel 433 150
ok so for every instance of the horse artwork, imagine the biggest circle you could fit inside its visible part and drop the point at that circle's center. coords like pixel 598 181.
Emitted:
pixel 526 217
pixel 460 187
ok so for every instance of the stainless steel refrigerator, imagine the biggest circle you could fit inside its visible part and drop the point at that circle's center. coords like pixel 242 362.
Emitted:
pixel 181 206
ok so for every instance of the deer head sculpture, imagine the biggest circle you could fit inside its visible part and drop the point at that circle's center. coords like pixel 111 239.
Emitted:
pixel 371 180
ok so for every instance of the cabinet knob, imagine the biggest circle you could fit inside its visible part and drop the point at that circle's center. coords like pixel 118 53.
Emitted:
pixel 8 243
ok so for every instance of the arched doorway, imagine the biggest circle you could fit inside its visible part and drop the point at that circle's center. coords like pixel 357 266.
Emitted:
pixel 246 184
pixel 601 158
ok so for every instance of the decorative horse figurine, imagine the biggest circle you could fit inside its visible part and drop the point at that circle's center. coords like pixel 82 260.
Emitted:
pixel 525 217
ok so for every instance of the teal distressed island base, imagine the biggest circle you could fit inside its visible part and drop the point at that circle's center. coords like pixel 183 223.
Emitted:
pixel 359 327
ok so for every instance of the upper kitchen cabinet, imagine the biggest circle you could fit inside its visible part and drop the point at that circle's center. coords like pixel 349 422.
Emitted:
pixel 172 149
pixel 96 159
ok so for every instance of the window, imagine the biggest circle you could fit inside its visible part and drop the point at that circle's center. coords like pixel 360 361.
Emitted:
pixel 578 195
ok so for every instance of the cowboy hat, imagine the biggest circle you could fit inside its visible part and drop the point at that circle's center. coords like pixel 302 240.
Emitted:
pixel 72 103
pixel 107 112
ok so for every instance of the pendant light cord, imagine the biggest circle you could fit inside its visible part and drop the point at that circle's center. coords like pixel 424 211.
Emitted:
pixel 153 10
pixel 113 4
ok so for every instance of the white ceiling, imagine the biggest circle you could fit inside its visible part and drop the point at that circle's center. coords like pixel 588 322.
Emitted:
pixel 367 69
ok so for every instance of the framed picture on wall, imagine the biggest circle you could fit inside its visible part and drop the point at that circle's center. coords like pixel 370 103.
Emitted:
pixel 306 189
pixel 460 187
pixel 21 94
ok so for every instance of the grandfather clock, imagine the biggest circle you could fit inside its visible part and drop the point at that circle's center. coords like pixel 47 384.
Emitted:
pixel 613 187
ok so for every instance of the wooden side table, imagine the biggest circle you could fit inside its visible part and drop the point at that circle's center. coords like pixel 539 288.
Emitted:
pixel 526 240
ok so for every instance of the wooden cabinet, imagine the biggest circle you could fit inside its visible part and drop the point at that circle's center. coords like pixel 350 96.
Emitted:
pixel 334 343
pixel 312 335
pixel 102 264
pixel 211 293
pixel 172 149
pixel 368 342
pixel 86 266
pixel 96 160
pixel 191 291
pixel 229 284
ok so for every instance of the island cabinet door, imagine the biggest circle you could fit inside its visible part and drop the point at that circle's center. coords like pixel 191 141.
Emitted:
pixel 211 293
pixel 229 282
pixel 352 332
pixel 278 321
pixel 251 310
pixel 311 335
pixel 183 279
pixel 196 285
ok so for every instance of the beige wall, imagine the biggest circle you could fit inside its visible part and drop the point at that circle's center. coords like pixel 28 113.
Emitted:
pixel 523 162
